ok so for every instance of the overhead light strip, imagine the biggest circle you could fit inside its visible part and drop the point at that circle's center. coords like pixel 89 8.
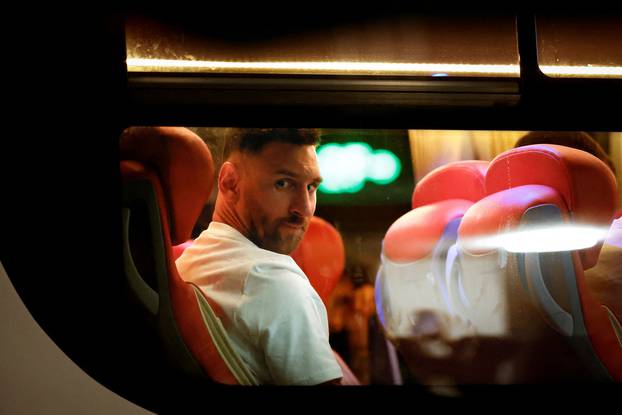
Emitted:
pixel 560 70
pixel 164 65
pixel 172 65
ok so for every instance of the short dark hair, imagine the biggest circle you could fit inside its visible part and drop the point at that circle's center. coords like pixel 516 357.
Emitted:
pixel 252 140
pixel 575 139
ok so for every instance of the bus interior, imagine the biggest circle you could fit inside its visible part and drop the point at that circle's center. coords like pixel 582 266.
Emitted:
pixel 419 115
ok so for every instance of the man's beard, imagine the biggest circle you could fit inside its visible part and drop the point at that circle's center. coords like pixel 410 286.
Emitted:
pixel 279 240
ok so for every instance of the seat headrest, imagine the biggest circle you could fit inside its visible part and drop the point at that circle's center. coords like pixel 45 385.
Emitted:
pixel 442 195
pixel 586 183
pixel 442 183
pixel 184 165
pixel 415 234
pixel 500 212
pixel 321 255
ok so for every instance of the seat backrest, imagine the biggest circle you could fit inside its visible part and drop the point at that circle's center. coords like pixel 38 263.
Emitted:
pixel 518 281
pixel 502 314
pixel 585 183
pixel 321 255
pixel 411 281
pixel 167 175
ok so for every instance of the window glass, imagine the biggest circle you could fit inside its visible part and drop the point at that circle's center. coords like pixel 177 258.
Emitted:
pixel 388 45
pixel 580 46
pixel 493 327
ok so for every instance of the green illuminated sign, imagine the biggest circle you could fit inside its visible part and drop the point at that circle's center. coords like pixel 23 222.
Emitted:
pixel 346 167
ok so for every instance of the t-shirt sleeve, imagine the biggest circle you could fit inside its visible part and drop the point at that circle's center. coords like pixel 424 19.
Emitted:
pixel 288 320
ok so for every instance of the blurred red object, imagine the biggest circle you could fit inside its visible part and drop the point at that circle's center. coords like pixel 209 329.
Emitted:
pixel 321 255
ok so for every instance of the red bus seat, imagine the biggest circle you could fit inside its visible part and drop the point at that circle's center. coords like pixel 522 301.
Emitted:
pixel 515 289
pixel 321 255
pixel 411 291
pixel 167 175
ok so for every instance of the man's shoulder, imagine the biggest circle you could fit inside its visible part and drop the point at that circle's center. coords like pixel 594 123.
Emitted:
pixel 278 274
pixel 268 263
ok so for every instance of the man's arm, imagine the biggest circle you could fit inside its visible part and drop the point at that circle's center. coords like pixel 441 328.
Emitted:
pixel 288 320
pixel 349 378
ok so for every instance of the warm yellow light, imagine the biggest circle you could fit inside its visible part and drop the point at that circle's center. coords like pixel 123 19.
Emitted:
pixel 361 68
pixel 583 71
pixel 172 65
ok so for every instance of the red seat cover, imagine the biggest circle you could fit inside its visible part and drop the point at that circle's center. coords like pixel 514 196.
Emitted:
pixel 179 166
pixel 582 187
pixel 321 255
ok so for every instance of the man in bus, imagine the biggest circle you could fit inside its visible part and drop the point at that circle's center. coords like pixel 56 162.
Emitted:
pixel 266 197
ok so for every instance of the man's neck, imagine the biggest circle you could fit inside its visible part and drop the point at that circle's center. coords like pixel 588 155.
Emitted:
pixel 228 216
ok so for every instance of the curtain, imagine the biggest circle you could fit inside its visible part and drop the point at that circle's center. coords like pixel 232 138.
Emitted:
pixel 433 148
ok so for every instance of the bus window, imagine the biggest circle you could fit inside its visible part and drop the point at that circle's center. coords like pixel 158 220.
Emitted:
pixel 407 101
pixel 370 181
pixel 408 45
pixel 573 46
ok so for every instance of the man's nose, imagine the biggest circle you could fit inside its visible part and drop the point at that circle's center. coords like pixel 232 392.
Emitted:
pixel 303 203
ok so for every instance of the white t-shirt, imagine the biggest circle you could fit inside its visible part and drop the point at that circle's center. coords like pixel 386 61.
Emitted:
pixel 273 316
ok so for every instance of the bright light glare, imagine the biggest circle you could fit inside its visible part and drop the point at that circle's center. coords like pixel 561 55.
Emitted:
pixel 327 67
pixel 345 168
pixel 384 167
pixel 171 65
pixel 586 71
pixel 544 239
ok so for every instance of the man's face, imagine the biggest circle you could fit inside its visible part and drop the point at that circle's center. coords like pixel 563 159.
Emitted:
pixel 278 194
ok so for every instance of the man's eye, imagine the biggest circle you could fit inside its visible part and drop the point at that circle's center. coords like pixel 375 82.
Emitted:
pixel 311 187
pixel 281 184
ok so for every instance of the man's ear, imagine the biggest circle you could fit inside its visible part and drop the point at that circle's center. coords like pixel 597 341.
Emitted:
pixel 229 181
